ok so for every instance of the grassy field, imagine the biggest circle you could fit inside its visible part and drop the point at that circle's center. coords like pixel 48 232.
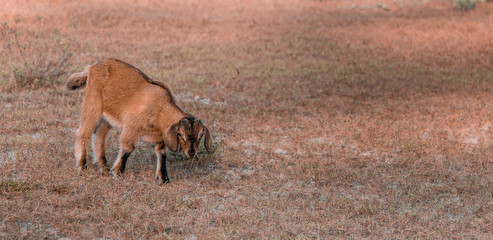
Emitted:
pixel 331 119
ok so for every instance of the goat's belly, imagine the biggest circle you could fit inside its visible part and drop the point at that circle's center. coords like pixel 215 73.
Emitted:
pixel 112 120
pixel 152 138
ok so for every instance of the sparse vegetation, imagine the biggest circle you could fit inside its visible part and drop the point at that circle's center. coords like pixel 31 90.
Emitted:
pixel 465 4
pixel 8 185
pixel 36 58
pixel 329 122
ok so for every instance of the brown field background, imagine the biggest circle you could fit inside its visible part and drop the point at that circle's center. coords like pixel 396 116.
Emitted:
pixel 348 119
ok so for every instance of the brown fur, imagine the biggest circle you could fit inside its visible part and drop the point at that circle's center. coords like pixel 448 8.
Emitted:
pixel 77 80
pixel 120 95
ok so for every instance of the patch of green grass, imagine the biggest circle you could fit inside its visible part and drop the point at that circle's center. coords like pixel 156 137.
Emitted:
pixel 465 4
pixel 10 185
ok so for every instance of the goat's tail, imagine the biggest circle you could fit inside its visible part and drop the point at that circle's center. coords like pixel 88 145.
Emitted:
pixel 77 80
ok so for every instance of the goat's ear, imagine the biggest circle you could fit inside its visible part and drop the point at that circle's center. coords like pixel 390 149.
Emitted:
pixel 170 137
pixel 207 140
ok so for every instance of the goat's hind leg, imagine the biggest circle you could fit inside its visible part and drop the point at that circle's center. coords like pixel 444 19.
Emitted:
pixel 98 145
pixel 91 112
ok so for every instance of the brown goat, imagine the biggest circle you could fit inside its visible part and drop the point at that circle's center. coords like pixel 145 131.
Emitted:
pixel 120 95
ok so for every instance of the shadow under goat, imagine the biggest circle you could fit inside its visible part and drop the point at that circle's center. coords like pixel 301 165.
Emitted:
pixel 121 96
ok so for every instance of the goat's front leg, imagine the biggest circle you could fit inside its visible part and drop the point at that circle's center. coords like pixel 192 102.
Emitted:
pixel 127 145
pixel 161 172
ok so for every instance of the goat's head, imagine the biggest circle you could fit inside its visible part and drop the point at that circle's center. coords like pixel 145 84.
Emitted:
pixel 186 134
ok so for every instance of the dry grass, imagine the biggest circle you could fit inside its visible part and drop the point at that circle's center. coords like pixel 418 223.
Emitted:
pixel 357 119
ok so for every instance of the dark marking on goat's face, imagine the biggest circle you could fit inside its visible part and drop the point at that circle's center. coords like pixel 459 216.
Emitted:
pixel 190 131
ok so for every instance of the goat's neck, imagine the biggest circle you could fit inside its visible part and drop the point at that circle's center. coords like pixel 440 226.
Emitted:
pixel 167 118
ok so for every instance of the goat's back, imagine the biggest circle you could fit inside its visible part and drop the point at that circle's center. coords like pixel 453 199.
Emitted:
pixel 124 88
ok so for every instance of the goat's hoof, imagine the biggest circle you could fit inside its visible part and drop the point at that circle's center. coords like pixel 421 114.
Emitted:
pixel 78 170
pixel 161 180
pixel 115 173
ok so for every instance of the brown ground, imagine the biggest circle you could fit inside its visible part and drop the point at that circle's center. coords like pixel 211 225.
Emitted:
pixel 349 119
